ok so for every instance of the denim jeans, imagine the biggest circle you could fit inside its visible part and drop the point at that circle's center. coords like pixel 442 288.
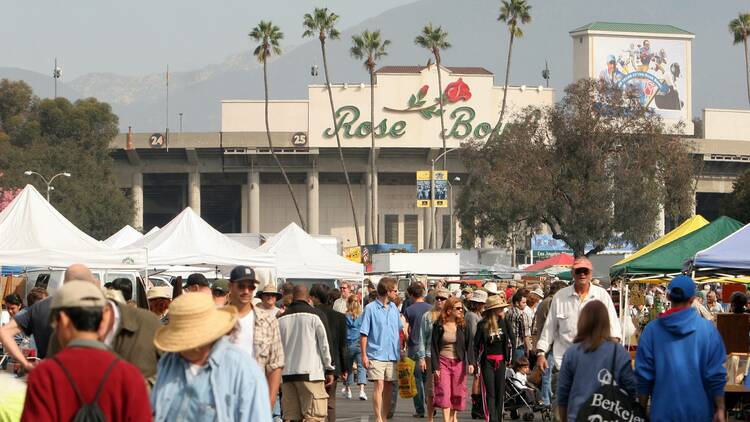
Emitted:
pixel 355 355
pixel 547 382
pixel 421 378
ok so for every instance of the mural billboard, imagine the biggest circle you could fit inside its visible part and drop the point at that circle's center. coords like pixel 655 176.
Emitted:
pixel 654 69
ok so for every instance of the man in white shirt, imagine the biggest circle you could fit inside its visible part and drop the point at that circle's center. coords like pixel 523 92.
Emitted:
pixel 561 325
pixel 340 304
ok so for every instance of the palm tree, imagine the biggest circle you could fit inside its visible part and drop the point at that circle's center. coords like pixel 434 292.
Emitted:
pixel 513 13
pixel 269 36
pixel 740 28
pixel 369 47
pixel 321 23
pixel 434 40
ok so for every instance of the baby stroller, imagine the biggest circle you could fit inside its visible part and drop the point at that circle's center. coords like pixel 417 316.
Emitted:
pixel 522 399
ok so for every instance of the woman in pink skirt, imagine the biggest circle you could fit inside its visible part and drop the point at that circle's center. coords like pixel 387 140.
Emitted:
pixel 450 346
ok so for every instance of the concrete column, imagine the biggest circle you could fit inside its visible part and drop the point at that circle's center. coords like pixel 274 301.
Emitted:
pixel 244 207
pixel 313 203
pixel 426 227
pixel 194 191
pixel 253 196
pixel 137 194
pixel 368 208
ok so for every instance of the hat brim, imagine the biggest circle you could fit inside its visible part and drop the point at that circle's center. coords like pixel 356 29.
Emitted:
pixel 175 338
pixel 261 293
pixel 500 305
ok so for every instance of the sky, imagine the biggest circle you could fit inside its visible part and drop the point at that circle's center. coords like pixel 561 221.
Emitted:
pixel 138 37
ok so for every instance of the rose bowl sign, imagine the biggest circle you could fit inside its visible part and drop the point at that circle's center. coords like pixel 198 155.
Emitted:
pixel 460 123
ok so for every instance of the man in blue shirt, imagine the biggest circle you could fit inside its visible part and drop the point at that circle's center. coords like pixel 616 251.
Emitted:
pixel 681 355
pixel 413 315
pixel 381 325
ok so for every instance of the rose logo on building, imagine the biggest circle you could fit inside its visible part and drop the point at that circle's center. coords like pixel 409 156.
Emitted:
pixel 453 93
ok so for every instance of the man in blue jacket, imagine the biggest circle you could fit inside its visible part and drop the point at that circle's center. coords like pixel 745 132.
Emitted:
pixel 679 363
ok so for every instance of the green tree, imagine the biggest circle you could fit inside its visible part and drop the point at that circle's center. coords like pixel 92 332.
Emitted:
pixel 740 28
pixel 322 23
pixel 435 40
pixel 513 13
pixel 72 137
pixel 737 203
pixel 16 102
pixel 593 166
pixel 368 46
pixel 269 36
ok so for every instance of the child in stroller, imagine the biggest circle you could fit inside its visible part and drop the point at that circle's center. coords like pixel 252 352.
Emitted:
pixel 520 396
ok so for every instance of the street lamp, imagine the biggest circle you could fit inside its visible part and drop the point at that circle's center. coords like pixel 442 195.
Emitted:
pixel 452 242
pixel 433 228
pixel 47 182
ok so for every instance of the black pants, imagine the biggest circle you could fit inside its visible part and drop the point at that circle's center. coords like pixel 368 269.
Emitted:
pixel 331 390
pixel 493 385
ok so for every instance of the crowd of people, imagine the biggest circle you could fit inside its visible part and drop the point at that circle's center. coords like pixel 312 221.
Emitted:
pixel 241 350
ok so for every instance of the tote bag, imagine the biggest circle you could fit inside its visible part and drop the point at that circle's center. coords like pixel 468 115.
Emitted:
pixel 611 403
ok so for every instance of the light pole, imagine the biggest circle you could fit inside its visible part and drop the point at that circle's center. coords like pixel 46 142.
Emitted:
pixel 56 74
pixel 433 228
pixel 47 182
pixel 452 242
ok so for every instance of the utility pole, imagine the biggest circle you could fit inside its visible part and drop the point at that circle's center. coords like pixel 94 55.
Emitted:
pixel 166 134
pixel 56 74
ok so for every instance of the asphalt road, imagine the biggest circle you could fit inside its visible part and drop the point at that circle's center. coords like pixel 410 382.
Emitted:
pixel 355 410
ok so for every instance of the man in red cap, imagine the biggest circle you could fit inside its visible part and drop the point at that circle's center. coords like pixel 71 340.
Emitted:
pixel 560 328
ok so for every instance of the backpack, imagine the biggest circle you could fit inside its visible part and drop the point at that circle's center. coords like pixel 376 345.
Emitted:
pixel 88 412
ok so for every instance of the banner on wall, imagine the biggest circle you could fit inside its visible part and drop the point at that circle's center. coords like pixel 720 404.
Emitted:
pixel 440 179
pixel 424 189
pixel 654 70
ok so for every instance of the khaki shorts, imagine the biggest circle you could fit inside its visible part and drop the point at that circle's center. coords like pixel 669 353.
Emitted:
pixel 381 370
pixel 306 400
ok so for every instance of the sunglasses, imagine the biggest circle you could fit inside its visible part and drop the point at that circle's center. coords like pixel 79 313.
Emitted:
pixel 582 271
pixel 440 299
pixel 458 308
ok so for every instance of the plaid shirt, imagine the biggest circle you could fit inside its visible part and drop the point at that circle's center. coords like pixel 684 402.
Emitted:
pixel 517 325
pixel 267 340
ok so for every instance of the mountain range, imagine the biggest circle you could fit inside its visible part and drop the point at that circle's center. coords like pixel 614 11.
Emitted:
pixel 477 39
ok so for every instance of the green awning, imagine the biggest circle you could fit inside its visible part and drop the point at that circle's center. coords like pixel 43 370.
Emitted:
pixel 671 257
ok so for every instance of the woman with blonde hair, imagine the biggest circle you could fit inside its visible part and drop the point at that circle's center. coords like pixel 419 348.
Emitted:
pixel 353 324
pixel 424 351
pixel 492 350
pixel 450 346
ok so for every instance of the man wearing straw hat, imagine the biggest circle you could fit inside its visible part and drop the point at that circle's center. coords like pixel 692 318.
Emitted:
pixel 85 372
pixel 203 377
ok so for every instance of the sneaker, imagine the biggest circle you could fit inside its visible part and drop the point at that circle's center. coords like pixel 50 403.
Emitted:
pixel 343 390
pixel 362 395
pixel 348 394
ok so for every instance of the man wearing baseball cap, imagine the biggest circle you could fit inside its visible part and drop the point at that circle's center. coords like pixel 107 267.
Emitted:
pixel 257 333
pixel 561 326
pixel 197 282
pixel 680 361
pixel 85 371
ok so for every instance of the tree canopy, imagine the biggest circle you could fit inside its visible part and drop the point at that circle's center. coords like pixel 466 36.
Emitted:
pixel 594 166
pixel 737 203
pixel 51 136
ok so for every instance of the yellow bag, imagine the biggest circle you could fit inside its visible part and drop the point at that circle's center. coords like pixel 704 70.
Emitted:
pixel 407 384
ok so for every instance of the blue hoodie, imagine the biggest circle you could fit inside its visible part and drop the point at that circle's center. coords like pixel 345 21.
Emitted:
pixel 679 363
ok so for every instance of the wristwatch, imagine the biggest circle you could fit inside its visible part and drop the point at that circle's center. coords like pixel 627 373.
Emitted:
pixel 540 352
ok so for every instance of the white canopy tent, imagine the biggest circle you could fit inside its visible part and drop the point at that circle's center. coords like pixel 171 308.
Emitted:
pixel 299 255
pixel 190 240
pixel 34 234
pixel 124 237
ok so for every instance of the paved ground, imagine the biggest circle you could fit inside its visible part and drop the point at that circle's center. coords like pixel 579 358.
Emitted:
pixel 355 410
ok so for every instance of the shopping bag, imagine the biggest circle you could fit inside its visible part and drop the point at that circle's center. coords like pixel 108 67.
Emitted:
pixel 407 384
pixel 610 402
